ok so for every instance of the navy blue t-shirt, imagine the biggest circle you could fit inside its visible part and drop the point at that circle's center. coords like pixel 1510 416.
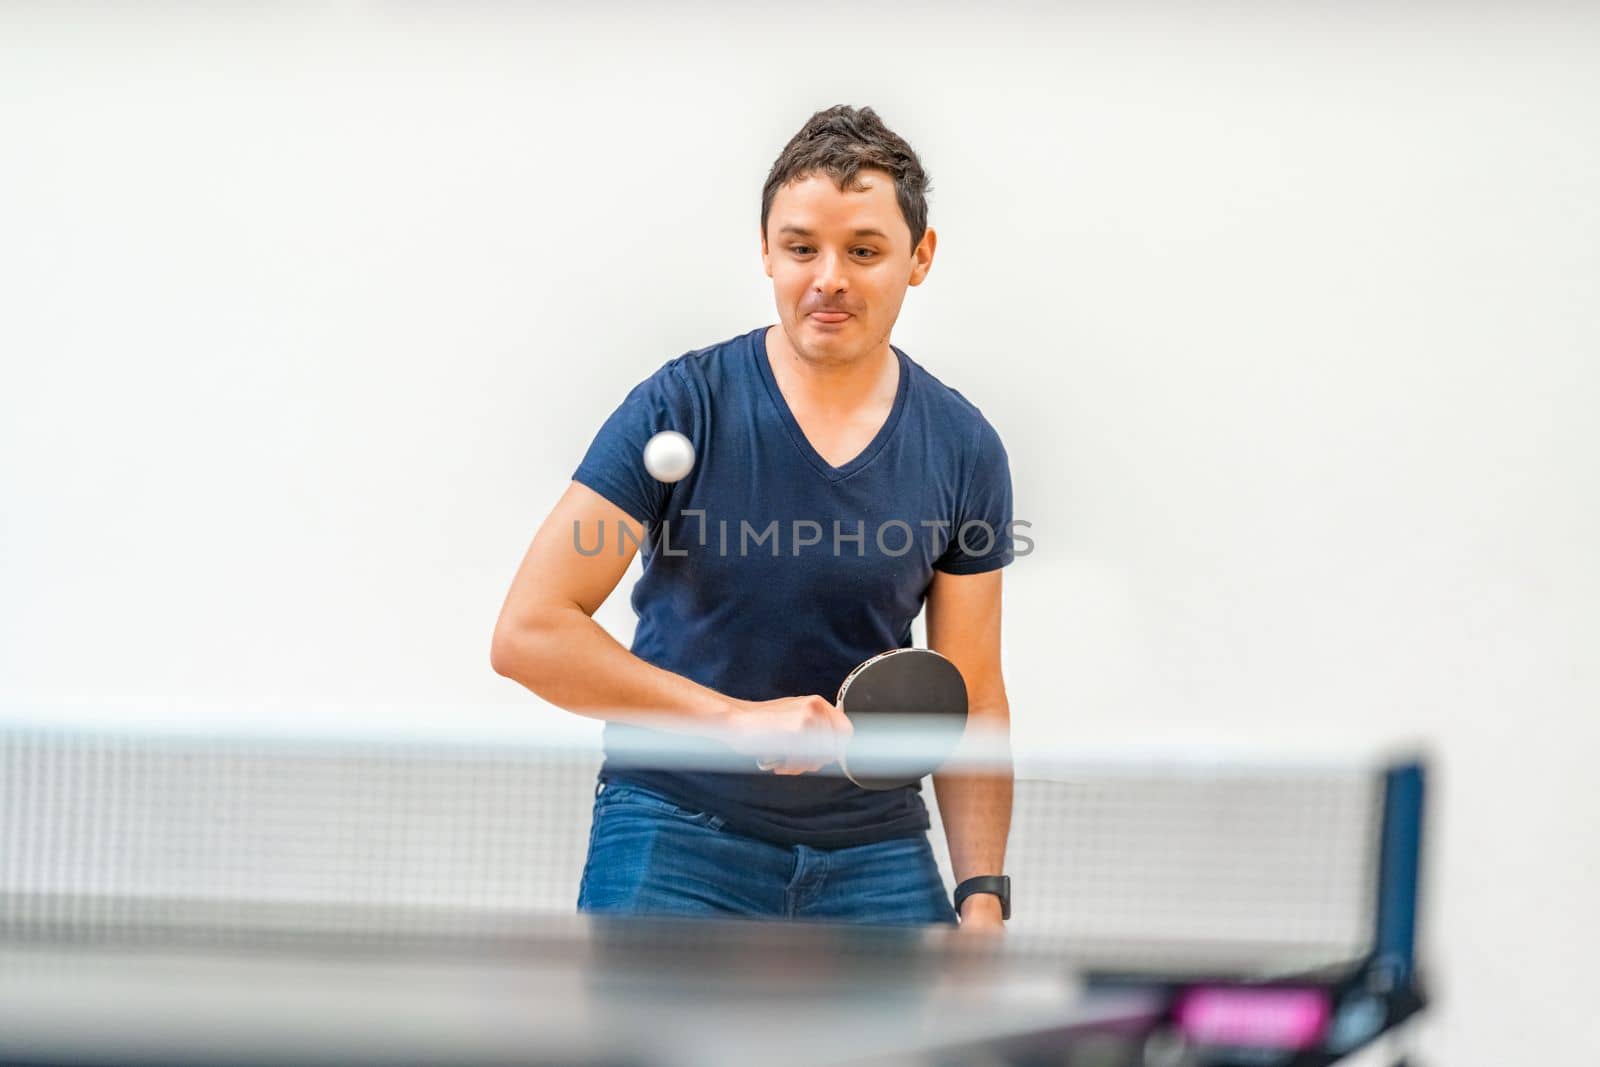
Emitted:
pixel 770 573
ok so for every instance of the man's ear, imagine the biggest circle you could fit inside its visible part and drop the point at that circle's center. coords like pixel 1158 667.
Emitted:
pixel 923 256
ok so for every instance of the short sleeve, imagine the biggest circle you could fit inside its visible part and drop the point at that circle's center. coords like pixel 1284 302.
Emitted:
pixel 981 537
pixel 614 463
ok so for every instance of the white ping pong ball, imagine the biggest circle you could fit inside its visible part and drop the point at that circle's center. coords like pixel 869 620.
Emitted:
pixel 668 456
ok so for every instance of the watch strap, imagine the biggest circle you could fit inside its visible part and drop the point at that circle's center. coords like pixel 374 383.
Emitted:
pixel 998 884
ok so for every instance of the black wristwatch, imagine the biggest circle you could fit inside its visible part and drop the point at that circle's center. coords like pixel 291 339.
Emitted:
pixel 998 884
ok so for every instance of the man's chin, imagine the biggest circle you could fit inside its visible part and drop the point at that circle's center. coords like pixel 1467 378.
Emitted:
pixel 832 351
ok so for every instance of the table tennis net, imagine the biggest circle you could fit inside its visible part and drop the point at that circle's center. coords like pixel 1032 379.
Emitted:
pixel 110 833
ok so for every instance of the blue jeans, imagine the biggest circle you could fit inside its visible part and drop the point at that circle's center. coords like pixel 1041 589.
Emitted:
pixel 648 856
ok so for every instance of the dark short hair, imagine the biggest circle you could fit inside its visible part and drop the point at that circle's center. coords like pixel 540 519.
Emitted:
pixel 841 142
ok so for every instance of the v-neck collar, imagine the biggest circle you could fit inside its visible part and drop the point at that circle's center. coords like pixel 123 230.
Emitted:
pixel 798 435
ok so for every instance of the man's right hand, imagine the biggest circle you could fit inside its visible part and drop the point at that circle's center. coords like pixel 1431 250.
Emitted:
pixel 790 735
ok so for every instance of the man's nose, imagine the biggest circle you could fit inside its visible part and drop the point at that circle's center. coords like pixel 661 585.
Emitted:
pixel 831 277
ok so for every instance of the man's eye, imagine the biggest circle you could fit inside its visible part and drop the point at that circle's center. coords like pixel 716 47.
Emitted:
pixel 799 250
pixel 868 251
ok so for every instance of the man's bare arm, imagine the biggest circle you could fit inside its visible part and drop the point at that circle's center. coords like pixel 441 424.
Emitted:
pixel 547 640
pixel 964 626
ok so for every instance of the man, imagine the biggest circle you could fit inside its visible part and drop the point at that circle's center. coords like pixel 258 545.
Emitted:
pixel 783 559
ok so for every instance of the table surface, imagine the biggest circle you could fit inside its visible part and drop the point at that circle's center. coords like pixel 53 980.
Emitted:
pixel 577 990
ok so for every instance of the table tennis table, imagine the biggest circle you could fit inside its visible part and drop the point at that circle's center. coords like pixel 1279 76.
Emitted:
pixel 579 990
pixel 584 991
pixel 266 897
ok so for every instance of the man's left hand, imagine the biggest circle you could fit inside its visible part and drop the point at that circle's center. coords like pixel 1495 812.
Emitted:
pixel 981 912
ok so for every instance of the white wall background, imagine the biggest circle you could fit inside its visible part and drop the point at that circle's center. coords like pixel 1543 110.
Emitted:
pixel 1287 314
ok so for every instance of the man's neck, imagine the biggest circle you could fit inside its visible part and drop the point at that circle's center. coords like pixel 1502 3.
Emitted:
pixel 832 387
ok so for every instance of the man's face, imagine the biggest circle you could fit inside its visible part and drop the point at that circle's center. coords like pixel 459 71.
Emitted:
pixel 840 263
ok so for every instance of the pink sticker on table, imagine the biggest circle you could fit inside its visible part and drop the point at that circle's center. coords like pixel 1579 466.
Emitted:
pixel 1260 1017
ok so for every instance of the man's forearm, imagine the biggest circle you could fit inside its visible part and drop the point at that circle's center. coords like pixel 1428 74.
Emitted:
pixel 976 808
pixel 570 660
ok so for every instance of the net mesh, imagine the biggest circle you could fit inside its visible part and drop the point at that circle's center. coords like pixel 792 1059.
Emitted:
pixel 219 836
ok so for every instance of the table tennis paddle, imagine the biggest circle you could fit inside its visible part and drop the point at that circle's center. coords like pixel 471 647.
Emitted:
pixel 908 707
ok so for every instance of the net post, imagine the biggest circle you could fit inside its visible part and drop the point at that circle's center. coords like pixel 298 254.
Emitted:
pixel 1399 872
